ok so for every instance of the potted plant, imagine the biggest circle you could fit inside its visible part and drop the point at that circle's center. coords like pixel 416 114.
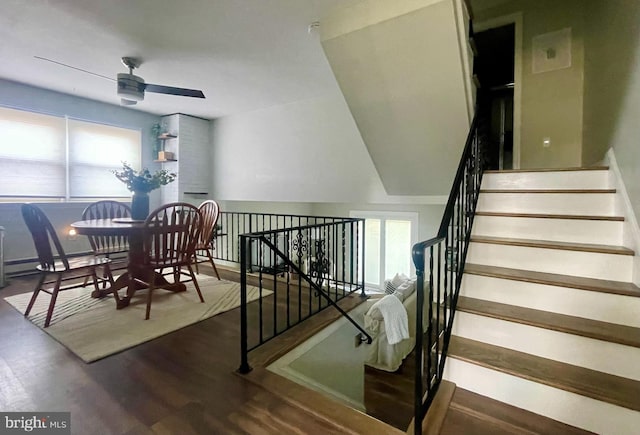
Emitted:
pixel 141 183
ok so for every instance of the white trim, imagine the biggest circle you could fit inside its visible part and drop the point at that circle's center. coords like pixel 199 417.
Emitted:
pixel 515 19
pixel 461 14
pixel 631 230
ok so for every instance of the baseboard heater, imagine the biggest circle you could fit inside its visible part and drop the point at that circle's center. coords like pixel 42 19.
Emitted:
pixel 28 263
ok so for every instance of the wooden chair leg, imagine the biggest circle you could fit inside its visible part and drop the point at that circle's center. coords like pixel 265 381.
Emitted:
pixel 195 282
pixel 149 294
pixel 106 274
pixel 94 276
pixel 36 291
pixel 195 261
pixel 215 269
pixel 107 271
pixel 54 296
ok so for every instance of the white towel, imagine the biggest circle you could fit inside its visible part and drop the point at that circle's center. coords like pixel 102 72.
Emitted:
pixel 396 322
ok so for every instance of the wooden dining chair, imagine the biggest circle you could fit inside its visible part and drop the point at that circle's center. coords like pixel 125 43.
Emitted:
pixel 61 267
pixel 210 210
pixel 170 236
pixel 114 247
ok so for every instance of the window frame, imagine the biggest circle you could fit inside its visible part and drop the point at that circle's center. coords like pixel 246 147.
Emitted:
pixel 384 216
pixel 65 121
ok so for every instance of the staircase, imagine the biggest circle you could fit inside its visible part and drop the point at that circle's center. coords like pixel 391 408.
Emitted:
pixel 547 318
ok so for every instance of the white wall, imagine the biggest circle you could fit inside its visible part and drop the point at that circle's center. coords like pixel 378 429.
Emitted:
pixel 552 101
pixel 612 88
pixel 307 151
pixel 612 103
pixel 404 81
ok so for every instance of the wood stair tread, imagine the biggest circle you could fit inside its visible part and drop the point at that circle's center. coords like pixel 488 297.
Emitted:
pixel 490 416
pixel 572 191
pixel 571 169
pixel 555 279
pixel 551 244
pixel 586 382
pixel 551 216
pixel 611 332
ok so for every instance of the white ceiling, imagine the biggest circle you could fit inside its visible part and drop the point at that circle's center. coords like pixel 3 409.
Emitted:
pixel 243 54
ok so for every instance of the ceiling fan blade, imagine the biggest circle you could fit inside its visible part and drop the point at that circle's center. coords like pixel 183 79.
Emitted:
pixel 160 89
pixel 73 67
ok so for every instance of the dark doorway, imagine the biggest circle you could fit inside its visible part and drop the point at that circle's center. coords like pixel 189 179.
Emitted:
pixel 494 68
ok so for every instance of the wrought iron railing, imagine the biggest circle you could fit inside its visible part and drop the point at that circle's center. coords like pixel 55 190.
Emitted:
pixel 294 273
pixel 439 265
pixel 231 224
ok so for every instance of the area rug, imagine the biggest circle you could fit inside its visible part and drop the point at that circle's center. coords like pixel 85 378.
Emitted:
pixel 93 328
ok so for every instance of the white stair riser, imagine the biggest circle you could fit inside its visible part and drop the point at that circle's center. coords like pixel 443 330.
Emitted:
pixel 587 264
pixel 570 408
pixel 604 307
pixel 547 180
pixel 548 203
pixel 603 356
pixel 561 230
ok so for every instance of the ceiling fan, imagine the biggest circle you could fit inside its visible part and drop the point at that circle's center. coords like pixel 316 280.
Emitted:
pixel 131 88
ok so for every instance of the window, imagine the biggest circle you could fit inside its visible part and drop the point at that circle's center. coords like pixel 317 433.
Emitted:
pixel 49 156
pixel 96 149
pixel 388 237
pixel 32 154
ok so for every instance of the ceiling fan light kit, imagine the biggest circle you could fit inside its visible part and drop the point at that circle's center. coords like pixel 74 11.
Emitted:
pixel 130 87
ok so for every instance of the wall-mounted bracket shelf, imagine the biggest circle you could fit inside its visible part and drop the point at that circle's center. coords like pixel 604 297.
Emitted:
pixel 167 136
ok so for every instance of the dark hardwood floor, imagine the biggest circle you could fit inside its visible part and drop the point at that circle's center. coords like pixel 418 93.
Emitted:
pixel 181 383
pixel 186 383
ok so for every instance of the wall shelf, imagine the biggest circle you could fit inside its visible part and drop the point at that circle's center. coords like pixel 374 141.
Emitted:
pixel 167 136
pixel 161 154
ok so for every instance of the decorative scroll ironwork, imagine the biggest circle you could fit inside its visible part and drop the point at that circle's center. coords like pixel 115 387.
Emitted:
pixel 319 267
pixel 299 245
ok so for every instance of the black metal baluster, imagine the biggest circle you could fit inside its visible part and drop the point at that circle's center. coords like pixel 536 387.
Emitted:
pixel 275 287
pixel 438 304
pixel 288 277
pixel 260 287
pixel 418 257
pixel 244 348
pixel 344 255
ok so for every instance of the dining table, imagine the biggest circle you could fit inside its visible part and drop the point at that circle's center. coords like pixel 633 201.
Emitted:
pixel 137 275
